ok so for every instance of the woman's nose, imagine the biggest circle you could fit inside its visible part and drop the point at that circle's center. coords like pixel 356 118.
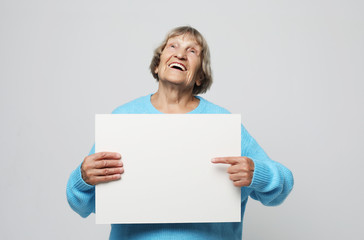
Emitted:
pixel 181 54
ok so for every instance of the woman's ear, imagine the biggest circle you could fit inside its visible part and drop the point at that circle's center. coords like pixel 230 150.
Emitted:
pixel 200 77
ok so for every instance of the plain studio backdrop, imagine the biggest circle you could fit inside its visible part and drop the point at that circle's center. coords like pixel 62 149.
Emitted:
pixel 293 69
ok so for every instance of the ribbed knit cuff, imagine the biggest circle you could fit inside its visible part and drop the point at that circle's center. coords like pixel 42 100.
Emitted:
pixel 80 183
pixel 262 175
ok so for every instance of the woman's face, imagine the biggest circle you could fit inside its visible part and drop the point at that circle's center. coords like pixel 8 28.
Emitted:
pixel 180 62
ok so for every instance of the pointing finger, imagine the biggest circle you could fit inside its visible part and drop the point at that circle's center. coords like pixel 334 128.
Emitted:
pixel 226 160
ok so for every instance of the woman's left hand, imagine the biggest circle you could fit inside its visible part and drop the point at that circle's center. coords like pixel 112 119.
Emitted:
pixel 241 170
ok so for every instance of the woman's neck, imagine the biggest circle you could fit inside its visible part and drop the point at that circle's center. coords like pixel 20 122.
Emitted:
pixel 174 101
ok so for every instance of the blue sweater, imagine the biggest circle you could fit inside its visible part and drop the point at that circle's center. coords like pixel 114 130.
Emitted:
pixel 271 184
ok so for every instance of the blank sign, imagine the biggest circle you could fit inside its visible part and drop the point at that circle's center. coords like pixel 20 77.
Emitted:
pixel 169 177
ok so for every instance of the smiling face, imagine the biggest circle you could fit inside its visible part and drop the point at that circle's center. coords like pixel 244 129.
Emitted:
pixel 180 62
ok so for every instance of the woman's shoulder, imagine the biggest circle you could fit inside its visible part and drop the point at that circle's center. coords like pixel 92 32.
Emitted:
pixel 134 106
pixel 209 107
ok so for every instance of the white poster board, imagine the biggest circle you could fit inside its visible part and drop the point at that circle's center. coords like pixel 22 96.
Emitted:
pixel 169 177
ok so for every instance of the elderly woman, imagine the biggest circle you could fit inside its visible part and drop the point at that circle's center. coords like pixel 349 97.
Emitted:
pixel 181 65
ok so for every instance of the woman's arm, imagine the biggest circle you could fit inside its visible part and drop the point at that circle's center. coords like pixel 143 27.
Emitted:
pixel 272 182
pixel 80 195
pixel 269 181
pixel 95 168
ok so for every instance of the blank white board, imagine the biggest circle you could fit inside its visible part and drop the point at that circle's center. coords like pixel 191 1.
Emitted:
pixel 169 177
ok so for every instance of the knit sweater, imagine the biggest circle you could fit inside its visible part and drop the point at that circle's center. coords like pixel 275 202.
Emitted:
pixel 271 184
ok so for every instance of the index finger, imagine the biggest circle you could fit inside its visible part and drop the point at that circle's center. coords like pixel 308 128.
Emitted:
pixel 226 160
pixel 106 155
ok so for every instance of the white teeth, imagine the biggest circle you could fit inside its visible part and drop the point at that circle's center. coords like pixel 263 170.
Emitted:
pixel 177 65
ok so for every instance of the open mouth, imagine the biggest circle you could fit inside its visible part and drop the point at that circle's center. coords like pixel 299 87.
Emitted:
pixel 178 66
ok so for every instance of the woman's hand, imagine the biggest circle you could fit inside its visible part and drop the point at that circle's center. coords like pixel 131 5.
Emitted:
pixel 241 170
pixel 102 167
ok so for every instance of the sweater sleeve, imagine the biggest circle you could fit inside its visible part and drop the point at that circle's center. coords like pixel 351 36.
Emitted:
pixel 80 195
pixel 272 182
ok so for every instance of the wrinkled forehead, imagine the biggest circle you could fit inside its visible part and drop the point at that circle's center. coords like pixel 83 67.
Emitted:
pixel 185 37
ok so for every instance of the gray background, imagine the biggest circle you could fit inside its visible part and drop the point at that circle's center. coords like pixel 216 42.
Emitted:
pixel 293 69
